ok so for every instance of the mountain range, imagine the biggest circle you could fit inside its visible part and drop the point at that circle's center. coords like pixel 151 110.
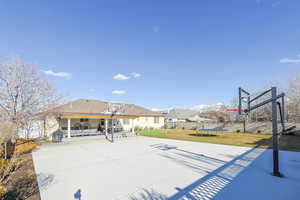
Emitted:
pixel 199 108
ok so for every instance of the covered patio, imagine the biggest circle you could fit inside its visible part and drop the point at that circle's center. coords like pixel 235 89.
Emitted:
pixel 74 125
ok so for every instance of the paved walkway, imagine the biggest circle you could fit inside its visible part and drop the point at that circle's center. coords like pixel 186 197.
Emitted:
pixel 140 168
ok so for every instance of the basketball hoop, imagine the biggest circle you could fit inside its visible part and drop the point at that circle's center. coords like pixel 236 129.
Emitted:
pixel 116 108
pixel 240 111
pixel 234 109
pixel 248 102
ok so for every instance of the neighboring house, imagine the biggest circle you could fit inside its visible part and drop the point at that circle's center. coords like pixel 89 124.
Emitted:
pixel 179 115
pixel 197 118
pixel 94 117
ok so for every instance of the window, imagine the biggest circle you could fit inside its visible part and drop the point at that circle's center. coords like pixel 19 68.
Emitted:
pixel 102 122
pixel 156 120
pixel 125 121
pixel 85 126
pixel 84 120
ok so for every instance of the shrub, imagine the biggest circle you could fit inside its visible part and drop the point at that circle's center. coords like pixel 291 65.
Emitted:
pixel 7 166
pixel 7 133
pixel 25 187
pixel 238 131
pixel 3 191
pixel 6 149
pixel 259 131
pixel 137 128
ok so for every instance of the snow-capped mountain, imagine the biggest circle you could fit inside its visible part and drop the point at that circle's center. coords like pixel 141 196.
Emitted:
pixel 199 108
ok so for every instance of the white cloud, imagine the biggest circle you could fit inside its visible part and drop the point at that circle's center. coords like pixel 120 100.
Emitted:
pixel 118 92
pixel 121 77
pixel 288 60
pixel 58 74
pixel 135 75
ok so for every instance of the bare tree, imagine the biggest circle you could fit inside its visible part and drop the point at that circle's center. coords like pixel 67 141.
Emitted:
pixel 293 100
pixel 24 93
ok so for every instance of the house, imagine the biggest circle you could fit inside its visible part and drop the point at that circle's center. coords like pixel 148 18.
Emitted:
pixel 94 117
pixel 179 115
pixel 197 118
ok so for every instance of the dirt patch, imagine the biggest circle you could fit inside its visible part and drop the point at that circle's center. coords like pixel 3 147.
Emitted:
pixel 22 183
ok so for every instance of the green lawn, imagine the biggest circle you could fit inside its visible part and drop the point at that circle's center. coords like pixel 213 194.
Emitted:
pixel 288 143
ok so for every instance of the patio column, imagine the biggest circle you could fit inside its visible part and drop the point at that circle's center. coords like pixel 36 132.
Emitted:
pixel 132 125
pixel 105 124
pixel 69 128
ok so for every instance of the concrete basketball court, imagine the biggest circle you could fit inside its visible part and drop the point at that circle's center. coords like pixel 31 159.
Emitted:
pixel 143 168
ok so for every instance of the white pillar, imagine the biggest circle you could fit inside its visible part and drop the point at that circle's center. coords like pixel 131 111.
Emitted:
pixel 132 124
pixel 69 128
pixel 105 124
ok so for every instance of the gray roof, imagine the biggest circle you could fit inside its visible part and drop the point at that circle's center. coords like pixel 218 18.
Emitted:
pixel 88 106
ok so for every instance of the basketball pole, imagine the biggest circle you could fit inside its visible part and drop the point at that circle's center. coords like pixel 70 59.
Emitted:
pixel 274 102
pixel 112 127
pixel 275 133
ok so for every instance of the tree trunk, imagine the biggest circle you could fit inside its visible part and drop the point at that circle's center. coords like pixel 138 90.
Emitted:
pixel 5 150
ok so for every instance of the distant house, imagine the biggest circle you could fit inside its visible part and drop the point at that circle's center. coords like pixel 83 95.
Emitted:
pixel 197 118
pixel 185 115
pixel 179 115
pixel 94 117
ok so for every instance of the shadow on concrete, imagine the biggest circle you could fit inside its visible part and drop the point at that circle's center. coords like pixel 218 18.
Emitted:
pixel 194 161
pixel 148 195
pixel 44 180
pixel 208 186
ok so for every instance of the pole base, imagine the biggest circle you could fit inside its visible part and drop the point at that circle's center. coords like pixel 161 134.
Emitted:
pixel 277 174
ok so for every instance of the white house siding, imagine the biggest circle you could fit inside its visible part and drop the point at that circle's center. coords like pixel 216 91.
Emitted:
pixel 52 125
pixel 148 122
pixel 36 128
pixel 127 127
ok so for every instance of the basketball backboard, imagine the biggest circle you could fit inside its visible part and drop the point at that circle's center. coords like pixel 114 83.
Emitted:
pixel 116 108
pixel 244 101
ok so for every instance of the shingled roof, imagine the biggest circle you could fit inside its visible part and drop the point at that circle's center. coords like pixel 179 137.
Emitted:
pixel 88 106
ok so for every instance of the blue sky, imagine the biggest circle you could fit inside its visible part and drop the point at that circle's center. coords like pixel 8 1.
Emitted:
pixel 173 52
